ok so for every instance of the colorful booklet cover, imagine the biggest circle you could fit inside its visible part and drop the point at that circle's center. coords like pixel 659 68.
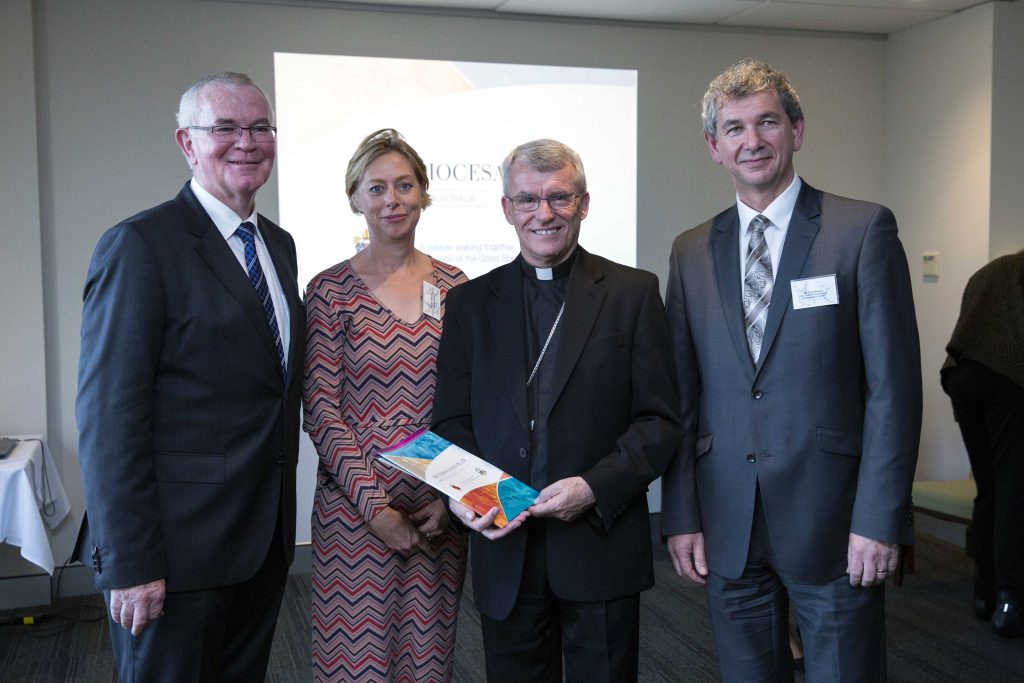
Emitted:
pixel 459 474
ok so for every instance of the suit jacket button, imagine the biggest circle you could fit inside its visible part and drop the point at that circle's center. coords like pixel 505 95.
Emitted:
pixel 522 452
pixel 751 457
pixel 757 394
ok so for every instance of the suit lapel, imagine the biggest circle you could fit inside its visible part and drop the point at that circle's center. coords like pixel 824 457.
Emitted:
pixel 506 312
pixel 214 250
pixel 584 297
pixel 803 228
pixel 725 247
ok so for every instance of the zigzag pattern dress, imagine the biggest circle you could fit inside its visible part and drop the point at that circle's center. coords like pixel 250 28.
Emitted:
pixel 378 614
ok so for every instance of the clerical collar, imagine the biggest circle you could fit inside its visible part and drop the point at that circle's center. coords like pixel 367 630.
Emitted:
pixel 555 273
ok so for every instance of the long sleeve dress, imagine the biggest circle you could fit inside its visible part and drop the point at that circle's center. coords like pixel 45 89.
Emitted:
pixel 378 614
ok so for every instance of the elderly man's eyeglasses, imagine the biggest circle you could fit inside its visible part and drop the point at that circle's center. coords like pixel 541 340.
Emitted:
pixel 561 200
pixel 226 133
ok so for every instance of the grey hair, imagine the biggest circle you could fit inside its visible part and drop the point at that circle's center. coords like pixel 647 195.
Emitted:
pixel 191 99
pixel 545 156
pixel 742 79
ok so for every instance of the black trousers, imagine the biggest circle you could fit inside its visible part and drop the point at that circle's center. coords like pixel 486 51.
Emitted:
pixel 990 411
pixel 599 641
pixel 221 634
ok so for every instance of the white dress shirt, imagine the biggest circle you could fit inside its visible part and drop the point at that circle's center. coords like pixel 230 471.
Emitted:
pixel 227 222
pixel 779 212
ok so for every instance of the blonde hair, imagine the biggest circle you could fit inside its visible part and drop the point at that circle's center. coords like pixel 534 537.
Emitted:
pixel 375 145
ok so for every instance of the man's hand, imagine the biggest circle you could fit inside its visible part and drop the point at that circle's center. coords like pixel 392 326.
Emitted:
pixel 687 551
pixel 431 520
pixel 136 607
pixel 395 529
pixel 566 499
pixel 485 524
pixel 868 561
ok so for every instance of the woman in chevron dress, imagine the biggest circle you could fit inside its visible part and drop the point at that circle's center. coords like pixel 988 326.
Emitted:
pixel 387 565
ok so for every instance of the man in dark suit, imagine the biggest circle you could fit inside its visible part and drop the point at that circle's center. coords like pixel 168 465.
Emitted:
pixel 557 369
pixel 797 350
pixel 188 406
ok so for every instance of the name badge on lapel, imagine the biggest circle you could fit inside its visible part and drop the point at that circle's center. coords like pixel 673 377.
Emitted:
pixel 814 291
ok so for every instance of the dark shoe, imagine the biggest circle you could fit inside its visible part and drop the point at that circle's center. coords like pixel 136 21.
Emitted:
pixel 1007 619
pixel 984 607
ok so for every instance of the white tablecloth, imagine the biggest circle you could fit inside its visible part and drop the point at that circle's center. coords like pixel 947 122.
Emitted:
pixel 30 492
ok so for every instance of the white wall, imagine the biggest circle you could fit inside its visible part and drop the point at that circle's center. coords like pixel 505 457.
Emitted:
pixel 22 361
pixel 938 99
pixel 1007 207
pixel 109 74
pixel 22 333
pixel 908 122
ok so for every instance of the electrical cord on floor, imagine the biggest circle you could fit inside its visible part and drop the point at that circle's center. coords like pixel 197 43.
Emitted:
pixel 52 621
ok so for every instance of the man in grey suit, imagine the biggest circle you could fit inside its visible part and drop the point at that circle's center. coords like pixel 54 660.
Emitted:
pixel 188 406
pixel 797 351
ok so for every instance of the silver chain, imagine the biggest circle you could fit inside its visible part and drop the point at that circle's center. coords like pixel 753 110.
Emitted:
pixel 546 343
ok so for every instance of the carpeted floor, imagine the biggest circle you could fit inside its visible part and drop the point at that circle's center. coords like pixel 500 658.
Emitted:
pixel 932 634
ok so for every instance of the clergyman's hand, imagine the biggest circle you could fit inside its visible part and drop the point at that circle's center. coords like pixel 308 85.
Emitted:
pixel 485 524
pixel 566 499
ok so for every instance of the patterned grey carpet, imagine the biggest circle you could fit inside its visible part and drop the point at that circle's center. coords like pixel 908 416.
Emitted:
pixel 932 634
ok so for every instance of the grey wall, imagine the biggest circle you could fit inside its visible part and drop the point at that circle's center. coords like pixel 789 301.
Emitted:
pixel 937 168
pixel 108 75
pixel 97 83
pixel 23 407
pixel 1007 206
pixel 22 360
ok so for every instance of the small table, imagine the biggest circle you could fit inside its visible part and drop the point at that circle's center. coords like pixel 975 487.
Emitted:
pixel 31 491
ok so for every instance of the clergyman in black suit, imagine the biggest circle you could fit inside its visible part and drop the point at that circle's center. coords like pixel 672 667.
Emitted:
pixel 557 368
pixel 799 366
pixel 188 406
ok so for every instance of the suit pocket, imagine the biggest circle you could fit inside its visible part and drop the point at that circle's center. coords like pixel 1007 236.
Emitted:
pixel 839 442
pixel 703 445
pixel 197 468
pixel 608 342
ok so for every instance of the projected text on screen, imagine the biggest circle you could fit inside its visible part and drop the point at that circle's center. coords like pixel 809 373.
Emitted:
pixel 462 118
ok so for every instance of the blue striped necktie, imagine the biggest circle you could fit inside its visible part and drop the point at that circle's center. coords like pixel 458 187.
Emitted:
pixel 757 285
pixel 252 266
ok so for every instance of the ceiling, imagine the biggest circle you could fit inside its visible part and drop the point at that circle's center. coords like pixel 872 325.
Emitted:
pixel 849 16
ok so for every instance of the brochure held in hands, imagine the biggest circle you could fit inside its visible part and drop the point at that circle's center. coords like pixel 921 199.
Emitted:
pixel 459 474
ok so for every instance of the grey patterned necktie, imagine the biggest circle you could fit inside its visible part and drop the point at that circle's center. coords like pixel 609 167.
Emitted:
pixel 757 285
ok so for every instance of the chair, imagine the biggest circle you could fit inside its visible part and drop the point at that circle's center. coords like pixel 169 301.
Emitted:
pixel 950 501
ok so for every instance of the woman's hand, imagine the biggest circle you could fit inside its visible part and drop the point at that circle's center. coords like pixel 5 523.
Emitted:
pixel 431 520
pixel 396 530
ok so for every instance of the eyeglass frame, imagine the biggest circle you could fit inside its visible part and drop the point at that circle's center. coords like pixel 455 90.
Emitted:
pixel 561 195
pixel 212 131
